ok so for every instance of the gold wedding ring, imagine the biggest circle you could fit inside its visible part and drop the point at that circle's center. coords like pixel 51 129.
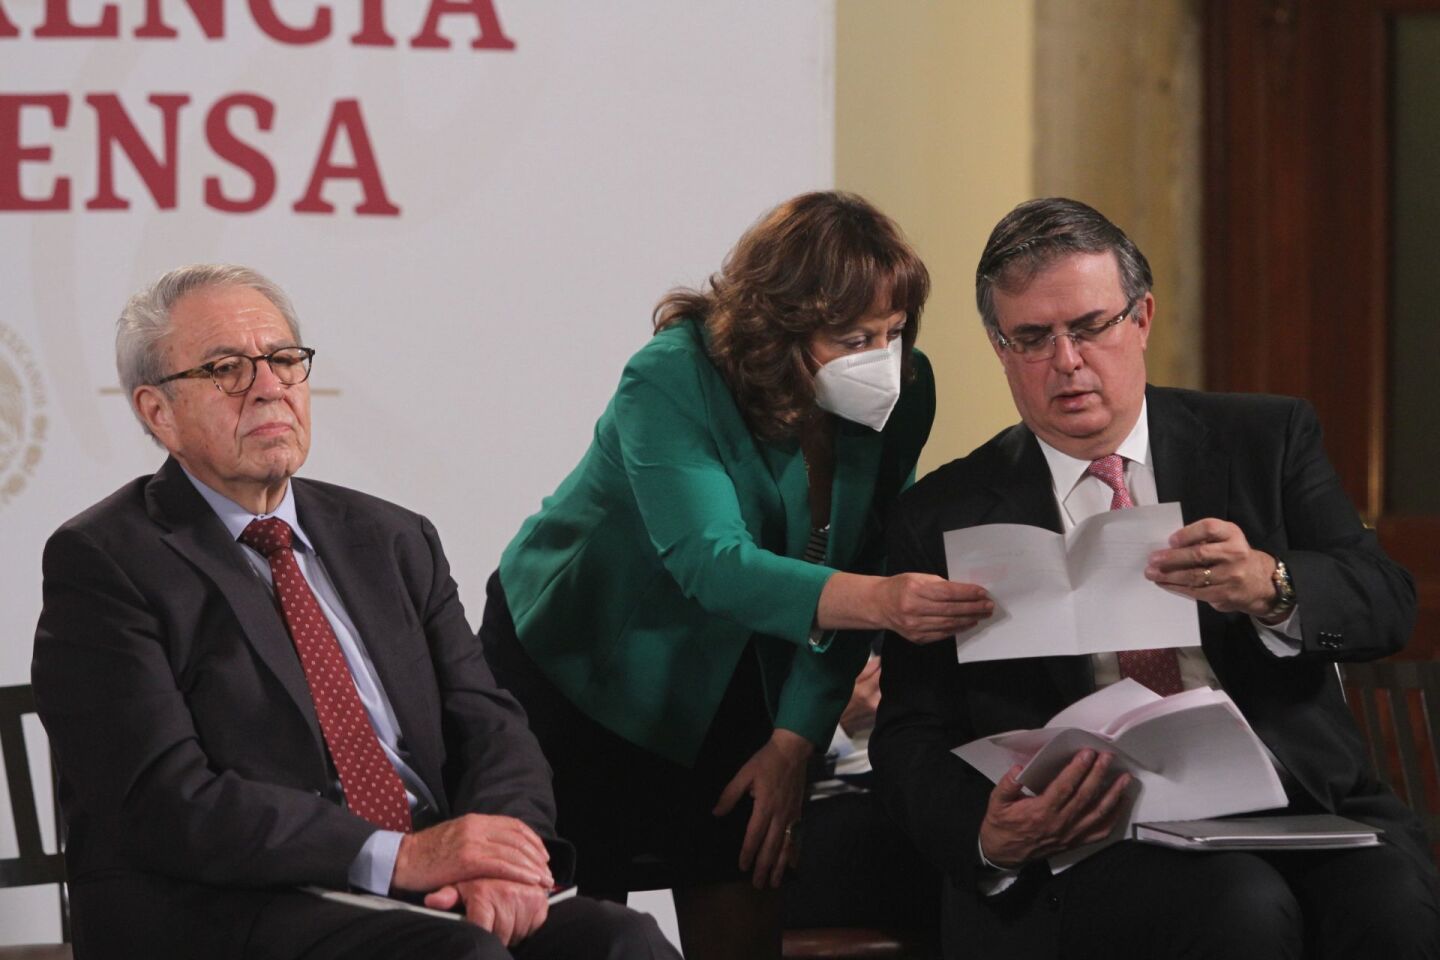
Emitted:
pixel 1207 578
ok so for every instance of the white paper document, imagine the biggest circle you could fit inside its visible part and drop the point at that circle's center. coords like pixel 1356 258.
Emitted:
pixel 372 901
pixel 1191 755
pixel 1077 593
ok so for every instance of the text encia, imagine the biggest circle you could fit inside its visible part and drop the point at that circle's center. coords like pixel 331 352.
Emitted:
pixel 158 169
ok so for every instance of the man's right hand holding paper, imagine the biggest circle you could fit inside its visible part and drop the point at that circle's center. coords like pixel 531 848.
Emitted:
pixel 1078 807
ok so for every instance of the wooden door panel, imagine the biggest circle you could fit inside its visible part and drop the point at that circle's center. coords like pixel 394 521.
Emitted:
pixel 1298 276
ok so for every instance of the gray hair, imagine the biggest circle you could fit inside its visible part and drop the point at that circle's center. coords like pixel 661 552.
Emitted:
pixel 1036 234
pixel 145 322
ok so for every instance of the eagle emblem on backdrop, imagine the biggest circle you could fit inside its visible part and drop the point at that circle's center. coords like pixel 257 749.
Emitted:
pixel 22 420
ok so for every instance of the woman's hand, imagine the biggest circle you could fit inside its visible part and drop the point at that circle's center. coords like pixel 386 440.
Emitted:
pixel 859 713
pixel 775 779
pixel 921 607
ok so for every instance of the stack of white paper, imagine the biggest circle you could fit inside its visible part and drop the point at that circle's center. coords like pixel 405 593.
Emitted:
pixel 1191 755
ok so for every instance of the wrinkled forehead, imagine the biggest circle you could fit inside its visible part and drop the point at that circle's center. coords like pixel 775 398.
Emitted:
pixel 226 319
pixel 1062 288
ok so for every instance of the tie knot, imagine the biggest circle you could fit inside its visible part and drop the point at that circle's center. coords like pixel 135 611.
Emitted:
pixel 1110 470
pixel 267 536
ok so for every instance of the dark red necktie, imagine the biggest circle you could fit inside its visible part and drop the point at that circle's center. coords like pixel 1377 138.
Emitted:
pixel 372 788
pixel 1157 669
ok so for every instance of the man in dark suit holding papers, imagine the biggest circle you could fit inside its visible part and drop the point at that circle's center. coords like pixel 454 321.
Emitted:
pixel 1287 582
pixel 254 684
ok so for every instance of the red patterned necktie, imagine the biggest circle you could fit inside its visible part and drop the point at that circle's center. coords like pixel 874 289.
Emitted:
pixel 372 788
pixel 1157 669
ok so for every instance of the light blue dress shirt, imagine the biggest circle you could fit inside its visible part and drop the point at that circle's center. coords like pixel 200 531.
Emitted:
pixel 375 864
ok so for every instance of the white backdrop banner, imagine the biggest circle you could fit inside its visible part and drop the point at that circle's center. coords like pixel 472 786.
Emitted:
pixel 474 204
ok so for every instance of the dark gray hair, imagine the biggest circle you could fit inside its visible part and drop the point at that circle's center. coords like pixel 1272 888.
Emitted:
pixel 1036 234
pixel 145 322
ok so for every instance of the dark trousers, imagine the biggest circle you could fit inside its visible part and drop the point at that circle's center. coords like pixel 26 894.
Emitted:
pixel 1138 900
pixel 856 869
pixel 298 926
pixel 637 820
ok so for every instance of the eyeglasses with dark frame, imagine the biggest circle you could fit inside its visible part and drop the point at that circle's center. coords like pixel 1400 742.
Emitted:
pixel 1041 346
pixel 235 374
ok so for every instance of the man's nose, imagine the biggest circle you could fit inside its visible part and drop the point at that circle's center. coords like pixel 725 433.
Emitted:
pixel 266 384
pixel 1067 355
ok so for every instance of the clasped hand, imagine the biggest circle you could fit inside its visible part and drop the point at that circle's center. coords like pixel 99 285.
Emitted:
pixel 512 911
pixel 496 865
pixel 1211 560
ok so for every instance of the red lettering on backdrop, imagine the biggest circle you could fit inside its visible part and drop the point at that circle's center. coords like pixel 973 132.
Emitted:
pixel 210 14
pixel 112 124
pixel 58 23
pixel 268 20
pixel 227 147
pixel 12 154
pixel 346 115
pixel 372 26
pixel 159 172
pixel 491 36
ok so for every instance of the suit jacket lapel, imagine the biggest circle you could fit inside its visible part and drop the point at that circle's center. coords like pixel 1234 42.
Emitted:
pixel 1022 485
pixel 857 466
pixel 769 478
pixel 193 531
pixel 350 547
pixel 787 469
pixel 1192 467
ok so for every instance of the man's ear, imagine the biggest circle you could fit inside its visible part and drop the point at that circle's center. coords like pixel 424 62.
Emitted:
pixel 1144 315
pixel 157 411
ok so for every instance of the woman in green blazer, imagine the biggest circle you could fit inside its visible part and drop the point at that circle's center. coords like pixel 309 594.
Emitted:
pixel 668 618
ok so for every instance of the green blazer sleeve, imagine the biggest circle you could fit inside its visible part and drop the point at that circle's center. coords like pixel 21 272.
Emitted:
pixel 670 428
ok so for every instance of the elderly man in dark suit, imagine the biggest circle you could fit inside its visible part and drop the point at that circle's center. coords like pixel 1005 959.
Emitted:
pixel 255 684
pixel 1287 582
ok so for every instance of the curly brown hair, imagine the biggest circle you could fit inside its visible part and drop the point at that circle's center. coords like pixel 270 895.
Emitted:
pixel 824 259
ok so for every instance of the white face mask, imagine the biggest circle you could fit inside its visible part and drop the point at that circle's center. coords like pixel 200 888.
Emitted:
pixel 862 387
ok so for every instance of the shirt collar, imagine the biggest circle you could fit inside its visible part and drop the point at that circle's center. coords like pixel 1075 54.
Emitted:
pixel 1066 471
pixel 236 518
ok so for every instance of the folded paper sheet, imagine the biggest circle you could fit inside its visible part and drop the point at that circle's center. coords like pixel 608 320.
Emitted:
pixel 1080 593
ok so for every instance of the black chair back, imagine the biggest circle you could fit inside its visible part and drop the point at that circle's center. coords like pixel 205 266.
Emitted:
pixel 1398 705
pixel 33 865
